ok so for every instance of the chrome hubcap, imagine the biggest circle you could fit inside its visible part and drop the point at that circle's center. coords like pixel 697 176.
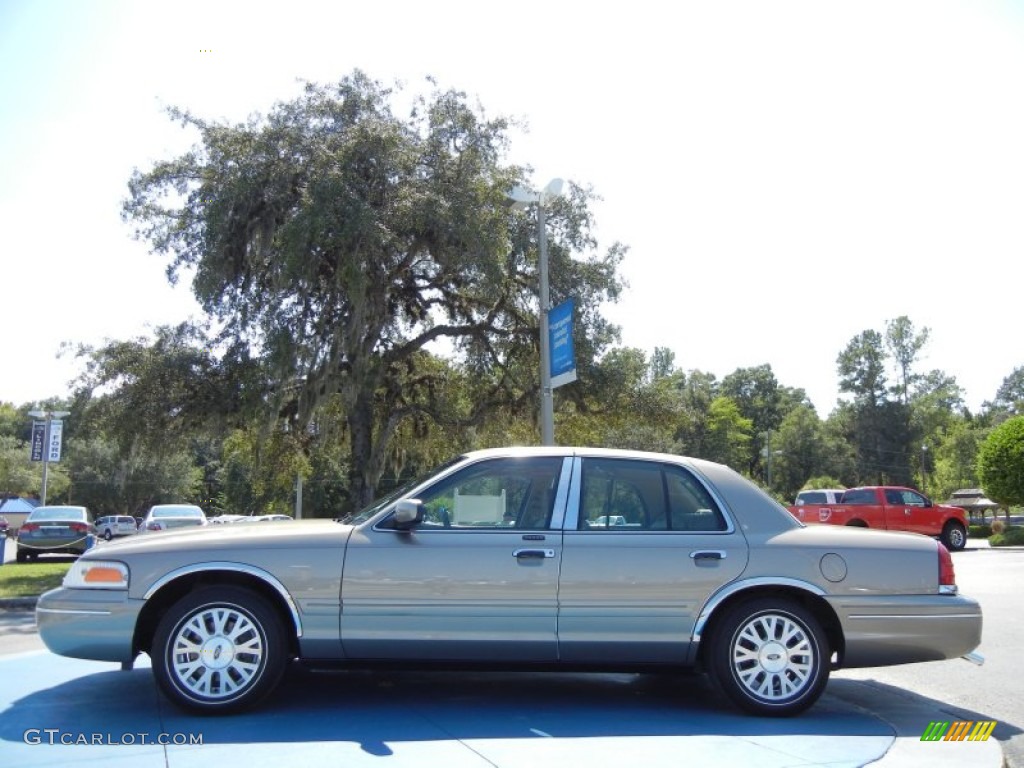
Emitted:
pixel 217 652
pixel 773 657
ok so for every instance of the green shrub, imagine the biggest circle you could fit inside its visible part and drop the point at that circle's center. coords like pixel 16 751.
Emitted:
pixel 1012 537
pixel 980 531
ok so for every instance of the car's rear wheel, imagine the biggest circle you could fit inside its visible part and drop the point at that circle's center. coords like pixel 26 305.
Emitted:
pixel 107 535
pixel 21 556
pixel 770 656
pixel 219 650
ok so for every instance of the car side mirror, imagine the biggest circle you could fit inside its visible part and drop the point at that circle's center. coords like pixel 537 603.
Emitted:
pixel 408 514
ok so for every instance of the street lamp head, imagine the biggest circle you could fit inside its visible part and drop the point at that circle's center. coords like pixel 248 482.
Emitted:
pixel 522 197
pixel 553 189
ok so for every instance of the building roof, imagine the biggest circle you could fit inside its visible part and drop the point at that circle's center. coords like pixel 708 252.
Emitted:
pixel 18 505
pixel 972 498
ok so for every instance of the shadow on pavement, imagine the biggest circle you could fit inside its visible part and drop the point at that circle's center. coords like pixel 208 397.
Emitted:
pixel 376 708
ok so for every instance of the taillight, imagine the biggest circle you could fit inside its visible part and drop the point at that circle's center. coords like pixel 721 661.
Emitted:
pixel 29 527
pixel 947 576
pixel 80 527
pixel 153 527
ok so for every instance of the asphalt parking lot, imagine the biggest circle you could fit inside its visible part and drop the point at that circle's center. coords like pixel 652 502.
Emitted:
pixel 56 711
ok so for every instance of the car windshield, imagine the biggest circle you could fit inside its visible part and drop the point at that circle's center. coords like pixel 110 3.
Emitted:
pixel 177 512
pixel 377 505
pixel 57 513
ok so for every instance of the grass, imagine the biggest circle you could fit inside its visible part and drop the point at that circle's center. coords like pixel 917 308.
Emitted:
pixel 30 579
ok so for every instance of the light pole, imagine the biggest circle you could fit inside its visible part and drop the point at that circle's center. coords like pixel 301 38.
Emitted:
pixel 767 452
pixel 48 416
pixel 924 457
pixel 521 197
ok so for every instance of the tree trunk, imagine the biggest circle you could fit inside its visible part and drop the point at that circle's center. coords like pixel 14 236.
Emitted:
pixel 365 471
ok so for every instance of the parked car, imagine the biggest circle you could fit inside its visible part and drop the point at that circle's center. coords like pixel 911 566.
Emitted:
pixel 110 526
pixel 162 517
pixel 708 572
pixel 56 529
pixel 225 519
pixel 819 496
pixel 890 508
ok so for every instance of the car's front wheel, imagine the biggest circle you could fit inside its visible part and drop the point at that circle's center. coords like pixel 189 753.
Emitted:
pixel 954 536
pixel 219 650
pixel 770 656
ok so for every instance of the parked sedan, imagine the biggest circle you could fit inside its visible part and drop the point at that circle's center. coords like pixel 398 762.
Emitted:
pixel 505 559
pixel 162 517
pixel 116 525
pixel 54 529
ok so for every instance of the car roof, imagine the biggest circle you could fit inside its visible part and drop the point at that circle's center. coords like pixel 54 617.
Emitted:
pixel 616 453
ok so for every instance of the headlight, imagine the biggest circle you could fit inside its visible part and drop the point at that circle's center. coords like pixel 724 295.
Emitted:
pixel 97 574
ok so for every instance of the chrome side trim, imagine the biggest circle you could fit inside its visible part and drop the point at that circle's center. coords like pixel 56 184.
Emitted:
pixel 738 586
pixel 903 616
pixel 73 612
pixel 249 570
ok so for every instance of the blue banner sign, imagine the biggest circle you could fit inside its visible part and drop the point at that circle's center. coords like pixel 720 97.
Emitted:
pixel 563 355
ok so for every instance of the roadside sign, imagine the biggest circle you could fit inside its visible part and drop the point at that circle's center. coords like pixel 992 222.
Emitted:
pixel 563 356
pixel 38 438
pixel 54 440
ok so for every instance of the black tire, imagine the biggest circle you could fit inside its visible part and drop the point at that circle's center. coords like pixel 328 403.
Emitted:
pixel 770 656
pixel 954 536
pixel 21 556
pixel 107 535
pixel 219 650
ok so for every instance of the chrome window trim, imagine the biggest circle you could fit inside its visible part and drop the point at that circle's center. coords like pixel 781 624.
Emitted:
pixel 250 570
pixel 557 514
pixel 572 516
pixel 572 521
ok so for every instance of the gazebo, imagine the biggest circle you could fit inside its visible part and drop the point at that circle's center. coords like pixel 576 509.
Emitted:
pixel 973 500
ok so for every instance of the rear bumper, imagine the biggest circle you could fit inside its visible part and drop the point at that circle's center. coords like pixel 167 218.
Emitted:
pixel 902 629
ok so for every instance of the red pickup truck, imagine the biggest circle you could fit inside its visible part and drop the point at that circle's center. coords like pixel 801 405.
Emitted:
pixel 890 508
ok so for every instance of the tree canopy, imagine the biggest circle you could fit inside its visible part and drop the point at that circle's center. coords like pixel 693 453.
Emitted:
pixel 1001 462
pixel 338 240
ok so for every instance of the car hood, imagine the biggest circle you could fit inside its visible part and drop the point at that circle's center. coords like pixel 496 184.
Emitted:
pixel 305 534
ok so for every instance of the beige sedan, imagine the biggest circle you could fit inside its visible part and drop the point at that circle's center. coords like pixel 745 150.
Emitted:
pixel 532 558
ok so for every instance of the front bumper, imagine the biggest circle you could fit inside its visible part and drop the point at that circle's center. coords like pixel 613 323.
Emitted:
pixel 902 629
pixel 89 623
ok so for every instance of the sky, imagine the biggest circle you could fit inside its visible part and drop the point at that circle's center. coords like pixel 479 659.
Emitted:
pixel 786 174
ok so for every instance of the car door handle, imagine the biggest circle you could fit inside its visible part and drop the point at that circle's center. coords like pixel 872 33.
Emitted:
pixel 708 554
pixel 524 554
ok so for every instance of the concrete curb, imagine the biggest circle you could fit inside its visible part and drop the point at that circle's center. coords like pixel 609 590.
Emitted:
pixel 18 603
